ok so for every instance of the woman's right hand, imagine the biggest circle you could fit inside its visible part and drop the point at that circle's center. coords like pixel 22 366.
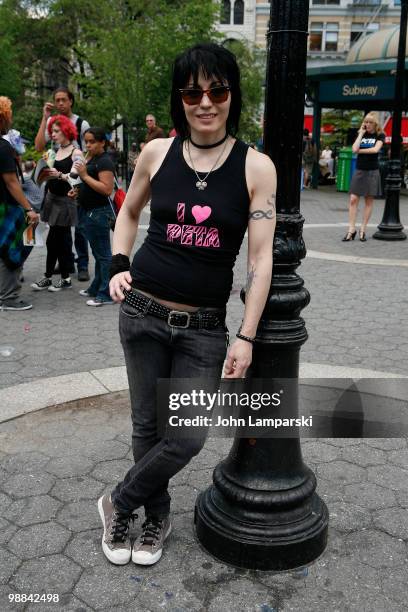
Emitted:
pixel 120 281
pixel 362 128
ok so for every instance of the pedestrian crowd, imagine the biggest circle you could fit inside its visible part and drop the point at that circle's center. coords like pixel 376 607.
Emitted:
pixel 70 188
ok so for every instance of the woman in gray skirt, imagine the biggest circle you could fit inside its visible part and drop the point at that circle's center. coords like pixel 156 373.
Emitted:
pixel 366 179
pixel 59 210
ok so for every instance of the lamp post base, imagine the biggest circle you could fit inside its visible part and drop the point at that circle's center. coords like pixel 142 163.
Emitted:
pixel 390 233
pixel 262 530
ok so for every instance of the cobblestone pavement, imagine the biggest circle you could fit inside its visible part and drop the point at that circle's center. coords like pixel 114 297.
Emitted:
pixel 357 316
pixel 55 464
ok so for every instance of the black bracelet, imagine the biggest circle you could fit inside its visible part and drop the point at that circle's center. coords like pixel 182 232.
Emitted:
pixel 119 263
pixel 246 338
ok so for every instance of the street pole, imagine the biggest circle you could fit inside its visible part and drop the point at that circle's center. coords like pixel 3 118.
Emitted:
pixel 391 227
pixel 262 512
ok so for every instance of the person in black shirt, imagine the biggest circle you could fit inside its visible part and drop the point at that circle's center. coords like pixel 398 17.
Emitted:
pixel 13 206
pixel 366 180
pixel 97 176
pixel 206 188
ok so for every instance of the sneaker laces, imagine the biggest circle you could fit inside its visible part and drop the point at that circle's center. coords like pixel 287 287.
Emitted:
pixel 151 530
pixel 120 526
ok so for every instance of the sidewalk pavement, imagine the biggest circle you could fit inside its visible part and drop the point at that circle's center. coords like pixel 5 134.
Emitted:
pixel 54 463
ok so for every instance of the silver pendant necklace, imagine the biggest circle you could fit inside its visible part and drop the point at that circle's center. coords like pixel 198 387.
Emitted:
pixel 201 184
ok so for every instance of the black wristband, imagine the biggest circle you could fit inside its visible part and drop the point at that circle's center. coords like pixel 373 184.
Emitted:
pixel 119 263
pixel 246 338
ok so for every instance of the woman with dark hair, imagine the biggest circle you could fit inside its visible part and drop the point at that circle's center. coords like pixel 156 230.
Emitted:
pixel 97 176
pixel 204 186
pixel 59 211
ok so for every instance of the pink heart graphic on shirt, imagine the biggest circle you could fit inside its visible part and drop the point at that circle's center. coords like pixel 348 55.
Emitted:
pixel 201 213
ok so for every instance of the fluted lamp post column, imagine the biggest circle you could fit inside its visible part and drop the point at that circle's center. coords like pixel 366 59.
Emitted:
pixel 262 512
pixel 391 227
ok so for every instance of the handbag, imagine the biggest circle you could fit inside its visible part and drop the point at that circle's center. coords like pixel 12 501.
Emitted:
pixel 116 202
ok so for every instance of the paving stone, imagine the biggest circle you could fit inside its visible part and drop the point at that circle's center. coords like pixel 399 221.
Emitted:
pixel 392 520
pixel 73 465
pixel 399 457
pixel 110 449
pixel 67 602
pixel 78 516
pixel 319 451
pixel 396 588
pixel 77 488
pixel 6 530
pixel 108 586
pixel 112 471
pixel 369 495
pixel 21 485
pixel 389 476
pixel 183 498
pixel 343 441
pixel 32 510
pixel 386 443
pixel 364 456
pixel 38 540
pixel 60 429
pixel 85 548
pixel 6 599
pixel 341 472
pixel 18 463
pixel 50 574
pixel 9 563
pixel 5 501
pixel 349 517
pixel 375 549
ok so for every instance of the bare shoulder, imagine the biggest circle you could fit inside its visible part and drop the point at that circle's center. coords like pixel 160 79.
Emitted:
pixel 153 154
pixel 260 171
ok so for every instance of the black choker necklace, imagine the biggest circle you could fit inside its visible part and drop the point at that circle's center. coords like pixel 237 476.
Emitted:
pixel 209 146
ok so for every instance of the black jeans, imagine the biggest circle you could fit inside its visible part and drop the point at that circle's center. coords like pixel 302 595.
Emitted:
pixel 154 350
pixel 58 248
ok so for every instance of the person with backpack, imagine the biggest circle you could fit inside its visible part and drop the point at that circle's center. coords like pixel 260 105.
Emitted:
pixel 63 102
pixel 97 176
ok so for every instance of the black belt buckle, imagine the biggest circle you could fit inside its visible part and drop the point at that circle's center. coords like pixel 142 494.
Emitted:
pixel 178 313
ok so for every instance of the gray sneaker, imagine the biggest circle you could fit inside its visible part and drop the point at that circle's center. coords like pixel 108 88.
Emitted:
pixel 148 547
pixel 115 540
pixel 15 305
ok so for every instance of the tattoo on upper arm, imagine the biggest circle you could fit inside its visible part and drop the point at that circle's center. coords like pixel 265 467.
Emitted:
pixel 261 214
pixel 271 201
pixel 250 278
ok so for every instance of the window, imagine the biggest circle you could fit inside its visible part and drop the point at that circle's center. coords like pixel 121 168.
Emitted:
pixel 357 30
pixel 226 11
pixel 239 12
pixel 323 36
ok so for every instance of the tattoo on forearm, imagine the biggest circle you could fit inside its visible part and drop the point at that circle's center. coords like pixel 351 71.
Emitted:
pixel 261 214
pixel 250 279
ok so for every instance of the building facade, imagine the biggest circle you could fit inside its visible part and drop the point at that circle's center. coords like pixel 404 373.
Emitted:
pixel 334 25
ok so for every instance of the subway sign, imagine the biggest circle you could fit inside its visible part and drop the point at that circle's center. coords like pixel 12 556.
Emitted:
pixel 349 90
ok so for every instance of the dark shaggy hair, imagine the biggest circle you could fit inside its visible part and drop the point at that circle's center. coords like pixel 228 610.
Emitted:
pixel 99 134
pixel 212 61
pixel 66 126
pixel 64 90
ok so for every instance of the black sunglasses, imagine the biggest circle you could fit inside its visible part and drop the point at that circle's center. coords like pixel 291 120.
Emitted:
pixel 217 94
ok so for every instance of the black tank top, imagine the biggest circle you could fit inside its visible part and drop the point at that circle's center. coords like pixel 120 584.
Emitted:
pixel 194 236
pixel 57 186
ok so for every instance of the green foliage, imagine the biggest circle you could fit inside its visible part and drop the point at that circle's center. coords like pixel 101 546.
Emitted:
pixel 117 55
pixel 343 120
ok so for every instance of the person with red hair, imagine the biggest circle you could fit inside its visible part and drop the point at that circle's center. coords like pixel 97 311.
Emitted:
pixel 60 211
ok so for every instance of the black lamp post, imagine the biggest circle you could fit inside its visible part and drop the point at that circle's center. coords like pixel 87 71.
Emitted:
pixel 390 227
pixel 262 511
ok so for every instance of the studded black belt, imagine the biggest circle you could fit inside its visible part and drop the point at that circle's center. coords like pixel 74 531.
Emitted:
pixel 207 319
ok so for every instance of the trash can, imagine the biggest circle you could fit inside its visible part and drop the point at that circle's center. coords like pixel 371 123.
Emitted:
pixel 345 167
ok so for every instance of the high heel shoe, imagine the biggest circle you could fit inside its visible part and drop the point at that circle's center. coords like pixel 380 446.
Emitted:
pixel 349 236
pixel 362 236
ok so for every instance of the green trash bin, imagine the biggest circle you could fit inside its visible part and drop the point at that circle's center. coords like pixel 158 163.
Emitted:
pixel 343 177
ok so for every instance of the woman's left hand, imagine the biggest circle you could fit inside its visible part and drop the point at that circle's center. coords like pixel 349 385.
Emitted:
pixel 239 359
pixel 80 167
